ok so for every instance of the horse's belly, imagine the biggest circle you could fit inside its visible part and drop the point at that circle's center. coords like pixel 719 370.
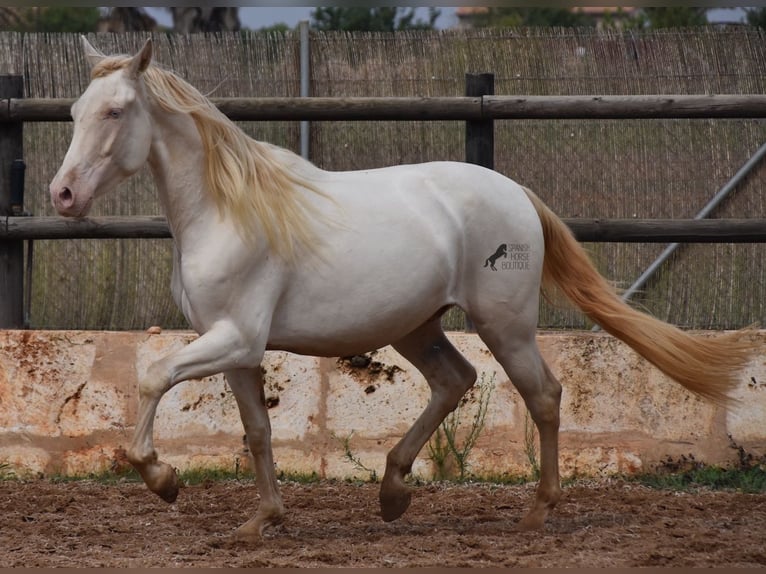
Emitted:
pixel 362 313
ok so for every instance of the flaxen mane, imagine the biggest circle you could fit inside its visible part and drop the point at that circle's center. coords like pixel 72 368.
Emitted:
pixel 244 176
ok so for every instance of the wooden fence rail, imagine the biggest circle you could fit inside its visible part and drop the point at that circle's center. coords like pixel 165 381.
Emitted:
pixel 478 109
pixel 440 108
pixel 611 230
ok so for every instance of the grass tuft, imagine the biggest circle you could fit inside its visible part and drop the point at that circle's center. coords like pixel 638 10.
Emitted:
pixel 748 474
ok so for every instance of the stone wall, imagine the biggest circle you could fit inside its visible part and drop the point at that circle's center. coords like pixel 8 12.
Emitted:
pixel 68 406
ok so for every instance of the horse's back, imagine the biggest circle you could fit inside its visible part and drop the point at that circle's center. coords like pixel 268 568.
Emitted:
pixel 461 212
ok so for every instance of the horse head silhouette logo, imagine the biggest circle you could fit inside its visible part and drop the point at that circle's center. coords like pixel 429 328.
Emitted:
pixel 501 251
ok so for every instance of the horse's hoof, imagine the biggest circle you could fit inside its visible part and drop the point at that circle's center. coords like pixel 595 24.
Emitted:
pixel 254 528
pixel 248 532
pixel 394 503
pixel 169 493
pixel 164 482
pixel 531 522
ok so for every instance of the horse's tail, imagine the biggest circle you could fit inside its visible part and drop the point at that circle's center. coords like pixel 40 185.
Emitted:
pixel 705 366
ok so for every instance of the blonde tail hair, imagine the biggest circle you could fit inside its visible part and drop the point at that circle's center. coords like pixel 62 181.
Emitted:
pixel 706 366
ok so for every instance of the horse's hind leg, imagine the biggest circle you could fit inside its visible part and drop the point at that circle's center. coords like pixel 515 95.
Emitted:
pixel 247 386
pixel 517 351
pixel 449 376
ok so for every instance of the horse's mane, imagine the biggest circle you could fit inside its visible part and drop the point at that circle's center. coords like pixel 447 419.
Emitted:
pixel 245 177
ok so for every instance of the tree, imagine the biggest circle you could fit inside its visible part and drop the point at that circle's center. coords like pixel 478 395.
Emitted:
pixel 512 17
pixel 11 17
pixel 407 21
pixel 185 20
pixel 756 17
pixel 668 17
pixel 676 17
pixel 384 19
pixel 277 28
pixel 205 19
pixel 127 20
pixel 51 19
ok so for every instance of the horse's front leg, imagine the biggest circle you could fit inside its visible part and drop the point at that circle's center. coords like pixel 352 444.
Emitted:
pixel 217 350
pixel 247 386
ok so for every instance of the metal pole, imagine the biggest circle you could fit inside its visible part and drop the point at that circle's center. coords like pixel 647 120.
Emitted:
pixel 711 205
pixel 305 82
pixel 703 213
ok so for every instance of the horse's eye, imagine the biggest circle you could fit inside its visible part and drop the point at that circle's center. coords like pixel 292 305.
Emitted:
pixel 114 113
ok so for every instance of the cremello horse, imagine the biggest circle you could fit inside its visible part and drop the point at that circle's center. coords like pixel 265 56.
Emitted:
pixel 273 253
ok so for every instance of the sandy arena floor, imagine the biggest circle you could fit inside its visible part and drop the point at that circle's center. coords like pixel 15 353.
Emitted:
pixel 597 524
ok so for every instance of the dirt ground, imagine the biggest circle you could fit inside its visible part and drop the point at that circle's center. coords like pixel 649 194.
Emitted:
pixel 597 524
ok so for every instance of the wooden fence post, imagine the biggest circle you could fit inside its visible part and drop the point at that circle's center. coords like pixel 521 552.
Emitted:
pixel 479 135
pixel 11 251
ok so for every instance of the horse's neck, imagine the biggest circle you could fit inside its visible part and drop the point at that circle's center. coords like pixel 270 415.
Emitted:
pixel 177 160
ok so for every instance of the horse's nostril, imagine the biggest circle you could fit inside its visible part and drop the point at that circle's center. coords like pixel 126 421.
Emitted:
pixel 65 195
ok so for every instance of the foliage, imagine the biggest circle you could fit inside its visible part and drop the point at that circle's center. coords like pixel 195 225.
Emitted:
pixel 656 17
pixel 50 19
pixel 194 476
pixel 278 28
pixel 676 16
pixel 444 449
pixel 512 17
pixel 756 17
pixel 300 477
pixel 353 459
pixel 614 20
pixel 11 17
pixel 128 19
pixel 667 17
pixel 381 19
pixel 747 475
pixel 530 445
pixel 188 19
pixel 6 471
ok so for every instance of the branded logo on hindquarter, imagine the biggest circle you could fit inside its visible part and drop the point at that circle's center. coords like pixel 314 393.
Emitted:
pixel 515 257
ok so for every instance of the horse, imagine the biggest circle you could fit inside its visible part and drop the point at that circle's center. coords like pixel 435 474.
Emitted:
pixel 272 252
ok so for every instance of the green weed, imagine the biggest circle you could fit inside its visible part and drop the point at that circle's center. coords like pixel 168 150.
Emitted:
pixel 530 445
pixel 6 472
pixel 300 477
pixel 448 455
pixel 195 476
pixel 748 474
pixel 353 459
pixel 504 479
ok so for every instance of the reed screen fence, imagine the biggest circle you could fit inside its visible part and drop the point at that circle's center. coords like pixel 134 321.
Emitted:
pixel 582 168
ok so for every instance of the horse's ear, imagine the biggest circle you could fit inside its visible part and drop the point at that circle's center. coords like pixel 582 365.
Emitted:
pixel 92 55
pixel 141 61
